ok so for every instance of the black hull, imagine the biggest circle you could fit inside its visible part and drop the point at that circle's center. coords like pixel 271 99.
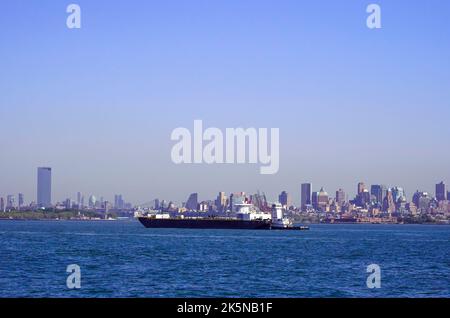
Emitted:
pixel 205 224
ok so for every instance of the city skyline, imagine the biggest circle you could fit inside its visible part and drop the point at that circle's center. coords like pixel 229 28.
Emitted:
pixel 304 196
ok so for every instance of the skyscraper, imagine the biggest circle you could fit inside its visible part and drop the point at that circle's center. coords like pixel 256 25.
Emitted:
pixel 221 201
pixel 305 194
pixel 315 200
pixel 379 192
pixel 421 200
pixel 68 204
pixel 388 202
pixel 440 191
pixel 322 199
pixel 118 202
pixel 362 195
pixel 340 197
pixel 361 187
pixel 398 194
pixel 44 187
pixel 92 201
pixel 156 204
pixel 10 201
pixel 2 205
pixel 20 200
pixel 192 202
pixel 284 199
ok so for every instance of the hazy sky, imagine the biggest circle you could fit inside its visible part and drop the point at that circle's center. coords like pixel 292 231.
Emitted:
pixel 98 104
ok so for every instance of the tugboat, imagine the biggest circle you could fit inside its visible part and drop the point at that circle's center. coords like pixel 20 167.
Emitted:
pixel 281 223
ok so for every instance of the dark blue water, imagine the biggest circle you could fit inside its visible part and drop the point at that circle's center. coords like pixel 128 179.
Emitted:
pixel 123 259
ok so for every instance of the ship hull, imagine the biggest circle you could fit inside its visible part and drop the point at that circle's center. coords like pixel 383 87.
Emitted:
pixel 204 224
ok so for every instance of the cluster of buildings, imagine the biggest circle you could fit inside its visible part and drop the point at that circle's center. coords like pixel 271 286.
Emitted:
pixel 44 194
pixel 44 199
pixel 94 204
pixel 221 204
pixel 377 204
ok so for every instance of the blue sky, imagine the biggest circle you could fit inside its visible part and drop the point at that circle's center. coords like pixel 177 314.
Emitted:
pixel 98 104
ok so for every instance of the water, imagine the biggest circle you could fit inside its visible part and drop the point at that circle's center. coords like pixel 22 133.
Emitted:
pixel 124 259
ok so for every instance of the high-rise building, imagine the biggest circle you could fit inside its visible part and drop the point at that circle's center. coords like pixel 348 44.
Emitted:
pixel 79 196
pixel 118 202
pixel 107 207
pixel 2 205
pixel 322 199
pixel 448 195
pixel 10 201
pixel 44 187
pixel 92 201
pixel 362 196
pixel 421 200
pixel 398 194
pixel 340 197
pixel 221 202
pixel 440 191
pixel 361 187
pixel 377 191
pixel 388 202
pixel 285 199
pixel 192 202
pixel 20 200
pixel 315 199
pixel 68 204
pixel 305 194
pixel 156 204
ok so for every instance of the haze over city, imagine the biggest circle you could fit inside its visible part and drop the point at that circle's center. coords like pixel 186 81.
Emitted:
pixel 98 104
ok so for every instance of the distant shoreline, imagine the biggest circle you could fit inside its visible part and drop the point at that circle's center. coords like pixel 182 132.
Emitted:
pixel 133 219
pixel 56 220
pixel 51 215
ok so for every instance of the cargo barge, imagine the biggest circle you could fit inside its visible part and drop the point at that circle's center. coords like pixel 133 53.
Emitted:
pixel 244 220
pixel 204 223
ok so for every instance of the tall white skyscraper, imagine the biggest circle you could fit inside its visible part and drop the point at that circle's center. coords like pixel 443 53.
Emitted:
pixel 44 187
